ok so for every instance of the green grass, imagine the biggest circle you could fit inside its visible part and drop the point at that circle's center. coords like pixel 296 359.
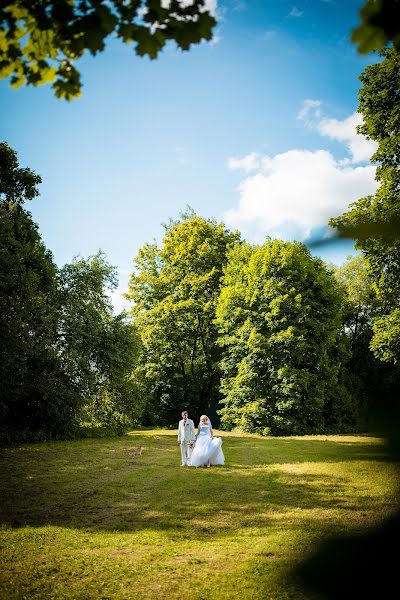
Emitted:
pixel 83 519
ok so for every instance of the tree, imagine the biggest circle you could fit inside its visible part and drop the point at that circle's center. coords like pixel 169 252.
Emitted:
pixel 370 220
pixel 97 349
pixel 27 318
pixel 386 341
pixel 279 319
pixel 379 25
pixel 368 378
pixel 175 288
pixel 61 348
pixel 361 301
pixel 41 40
pixel 17 185
pixel 30 375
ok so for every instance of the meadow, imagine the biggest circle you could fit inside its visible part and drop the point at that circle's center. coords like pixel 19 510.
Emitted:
pixel 86 519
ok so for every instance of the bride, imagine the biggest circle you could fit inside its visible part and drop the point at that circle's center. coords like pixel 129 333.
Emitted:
pixel 207 450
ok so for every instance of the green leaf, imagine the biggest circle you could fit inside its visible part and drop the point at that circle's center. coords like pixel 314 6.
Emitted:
pixel 66 30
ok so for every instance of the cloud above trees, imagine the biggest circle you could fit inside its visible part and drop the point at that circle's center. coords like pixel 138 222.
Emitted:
pixel 291 194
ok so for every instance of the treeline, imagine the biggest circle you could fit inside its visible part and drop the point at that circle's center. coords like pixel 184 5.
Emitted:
pixel 265 338
pixel 65 358
pixel 254 329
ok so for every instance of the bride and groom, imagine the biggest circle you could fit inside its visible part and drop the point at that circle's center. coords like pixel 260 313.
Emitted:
pixel 203 450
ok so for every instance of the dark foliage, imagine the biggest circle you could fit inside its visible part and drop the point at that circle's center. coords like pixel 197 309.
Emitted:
pixel 41 40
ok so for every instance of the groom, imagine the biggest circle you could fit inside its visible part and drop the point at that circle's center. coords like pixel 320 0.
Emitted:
pixel 185 436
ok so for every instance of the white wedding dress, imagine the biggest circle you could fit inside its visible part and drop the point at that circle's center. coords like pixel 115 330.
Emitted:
pixel 207 449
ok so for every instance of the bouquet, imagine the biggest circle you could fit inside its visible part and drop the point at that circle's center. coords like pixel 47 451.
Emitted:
pixel 191 444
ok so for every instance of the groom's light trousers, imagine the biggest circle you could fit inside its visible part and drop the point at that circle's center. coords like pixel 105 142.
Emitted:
pixel 186 453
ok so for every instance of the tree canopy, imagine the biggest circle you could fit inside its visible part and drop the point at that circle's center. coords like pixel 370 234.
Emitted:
pixel 378 27
pixel 266 332
pixel 62 349
pixel 27 315
pixel 279 319
pixel 372 220
pixel 28 318
pixel 97 349
pixel 361 301
pixel 370 381
pixel 17 184
pixel 40 41
pixel 175 289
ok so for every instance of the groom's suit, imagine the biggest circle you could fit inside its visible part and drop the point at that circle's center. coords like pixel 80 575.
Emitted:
pixel 185 435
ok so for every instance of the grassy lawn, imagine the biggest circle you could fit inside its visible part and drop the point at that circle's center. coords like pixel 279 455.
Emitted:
pixel 85 519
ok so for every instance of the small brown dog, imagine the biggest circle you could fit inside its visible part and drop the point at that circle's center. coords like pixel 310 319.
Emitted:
pixel 133 452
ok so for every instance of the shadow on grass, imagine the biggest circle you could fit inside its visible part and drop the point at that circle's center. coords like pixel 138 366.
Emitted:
pixel 94 485
pixel 360 564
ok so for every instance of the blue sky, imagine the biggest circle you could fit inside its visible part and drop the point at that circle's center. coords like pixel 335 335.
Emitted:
pixel 256 128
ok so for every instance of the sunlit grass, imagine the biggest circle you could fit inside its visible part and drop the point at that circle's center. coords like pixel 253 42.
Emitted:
pixel 83 519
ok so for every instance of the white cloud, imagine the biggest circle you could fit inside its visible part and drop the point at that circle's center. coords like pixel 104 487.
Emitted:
pixel 359 147
pixel 248 163
pixel 216 38
pixel 295 12
pixel 310 108
pixel 293 194
pixel 290 194
pixel 344 130
pixel 211 6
